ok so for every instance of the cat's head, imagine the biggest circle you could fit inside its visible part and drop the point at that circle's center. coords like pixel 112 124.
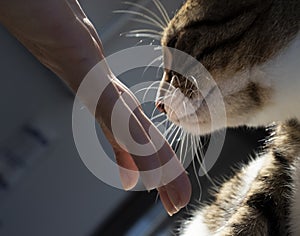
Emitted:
pixel 232 39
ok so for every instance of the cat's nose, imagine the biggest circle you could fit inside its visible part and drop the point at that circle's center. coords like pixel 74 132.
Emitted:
pixel 161 107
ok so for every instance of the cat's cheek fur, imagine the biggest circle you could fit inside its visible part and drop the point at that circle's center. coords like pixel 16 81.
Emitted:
pixel 231 105
pixel 295 205
pixel 284 74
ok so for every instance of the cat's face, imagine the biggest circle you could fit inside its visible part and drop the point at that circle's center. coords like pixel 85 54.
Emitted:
pixel 232 40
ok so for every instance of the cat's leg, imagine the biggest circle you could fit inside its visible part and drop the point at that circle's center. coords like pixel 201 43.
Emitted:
pixel 257 200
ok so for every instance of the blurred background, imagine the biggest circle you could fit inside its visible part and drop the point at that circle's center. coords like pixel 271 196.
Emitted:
pixel 45 189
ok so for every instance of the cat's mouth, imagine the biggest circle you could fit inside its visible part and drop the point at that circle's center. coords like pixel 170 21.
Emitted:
pixel 190 114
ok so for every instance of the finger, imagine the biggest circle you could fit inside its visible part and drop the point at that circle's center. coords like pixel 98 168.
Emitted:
pixel 178 189
pixel 178 192
pixel 128 170
pixel 130 135
pixel 174 178
pixel 132 162
pixel 123 157
pixel 167 203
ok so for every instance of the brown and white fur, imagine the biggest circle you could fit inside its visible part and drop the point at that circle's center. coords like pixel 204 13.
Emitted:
pixel 251 48
pixel 263 198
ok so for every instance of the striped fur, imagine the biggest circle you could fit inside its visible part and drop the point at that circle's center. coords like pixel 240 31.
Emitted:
pixel 251 49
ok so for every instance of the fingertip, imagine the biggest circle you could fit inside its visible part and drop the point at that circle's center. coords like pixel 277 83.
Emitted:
pixel 167 203
pixel 129 178
pixel 129 173
pixel 180 191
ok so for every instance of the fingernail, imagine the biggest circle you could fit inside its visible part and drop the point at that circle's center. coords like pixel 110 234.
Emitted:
pixel 126 180
pixel 171 213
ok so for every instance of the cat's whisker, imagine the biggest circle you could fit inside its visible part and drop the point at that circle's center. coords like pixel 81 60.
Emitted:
pixel 145 18
pixel 159 58
pixel 168 92
pixel 181 136
pixel 200 159
pixel 190 92
pixel 178 140
pixel 185 108
pixel 205 141
pixel 167 134
pixel 151 87
pixel 146 22
pixel 143 35
pixel 173 133
pixel 188 135
pixel 169 131
pixel 161 123
pixel 187 148
pixel 173 92
pixel 175 78
pixel 153 118
pixel 143 31
pixel 182 144
pixel 173 96
pixel 160 67
pixel 145 89
pixel 186 84
pixel 156 110
pixel 194 81
pixel 196 149
pixel 168 124
pixel 151 13
pixel 195 153
pixel 175 136
pixel 139 43
pixel 162 10
pixel 148 88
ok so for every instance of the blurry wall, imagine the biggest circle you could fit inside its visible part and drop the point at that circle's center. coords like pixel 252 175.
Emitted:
pixel 52 193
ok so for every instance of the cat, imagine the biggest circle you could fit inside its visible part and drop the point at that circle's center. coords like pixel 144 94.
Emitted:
pixel 251 50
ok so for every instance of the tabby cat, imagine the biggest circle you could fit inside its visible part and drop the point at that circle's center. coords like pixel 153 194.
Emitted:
pixel 251 48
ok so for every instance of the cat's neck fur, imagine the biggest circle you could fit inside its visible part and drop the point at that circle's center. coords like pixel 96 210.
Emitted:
pixel 283 74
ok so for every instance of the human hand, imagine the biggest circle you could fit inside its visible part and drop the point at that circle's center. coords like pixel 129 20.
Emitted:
pixel 59 35
pixel 158 156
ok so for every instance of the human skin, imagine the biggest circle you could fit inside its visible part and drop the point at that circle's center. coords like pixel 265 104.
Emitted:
pixel 61 37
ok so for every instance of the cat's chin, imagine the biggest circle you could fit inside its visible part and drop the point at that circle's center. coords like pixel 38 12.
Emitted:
pixel 189 124
pixel 196 127
pixel 199 131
